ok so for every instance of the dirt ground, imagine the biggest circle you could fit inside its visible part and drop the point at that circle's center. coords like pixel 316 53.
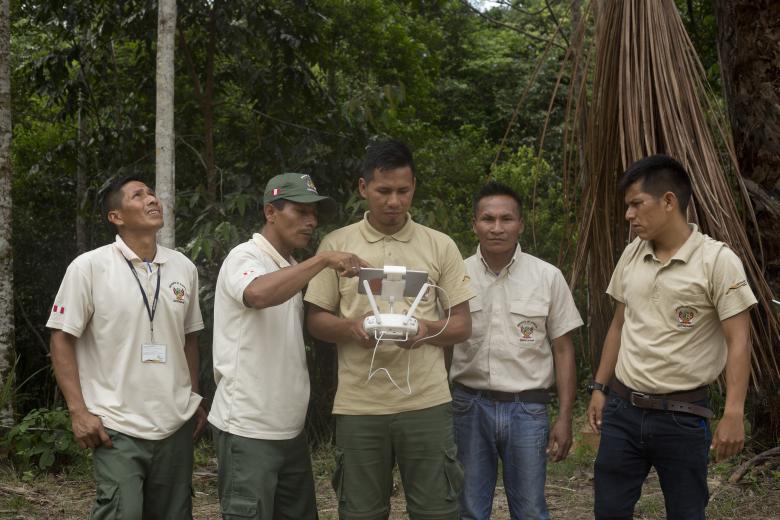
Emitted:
pixel 569 492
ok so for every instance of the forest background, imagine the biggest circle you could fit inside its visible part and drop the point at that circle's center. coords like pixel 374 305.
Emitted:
pixel 268 87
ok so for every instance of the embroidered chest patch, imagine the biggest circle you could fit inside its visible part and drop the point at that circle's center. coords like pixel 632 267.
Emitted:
pixel 685 316
pixel 527 329
pixel 179 292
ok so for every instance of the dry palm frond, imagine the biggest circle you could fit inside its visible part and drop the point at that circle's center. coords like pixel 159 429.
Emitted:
pixel 649 96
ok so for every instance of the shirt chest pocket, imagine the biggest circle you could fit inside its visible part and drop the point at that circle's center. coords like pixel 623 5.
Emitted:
pixel 477 319
pixel 528 322
pixel 685 307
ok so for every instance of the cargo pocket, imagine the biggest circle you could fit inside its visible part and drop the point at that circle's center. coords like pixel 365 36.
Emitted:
pixel 237 506
pixel 106 503
pixel 337 481
pixel 453 470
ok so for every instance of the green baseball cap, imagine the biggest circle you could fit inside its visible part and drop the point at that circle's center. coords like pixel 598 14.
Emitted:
pixel 297 187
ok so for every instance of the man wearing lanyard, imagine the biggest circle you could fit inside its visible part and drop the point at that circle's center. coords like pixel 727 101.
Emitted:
pixel 125 355
pixel 260 358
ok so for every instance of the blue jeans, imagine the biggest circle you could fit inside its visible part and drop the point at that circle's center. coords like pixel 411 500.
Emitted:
pixel 632 441
pixel 517 432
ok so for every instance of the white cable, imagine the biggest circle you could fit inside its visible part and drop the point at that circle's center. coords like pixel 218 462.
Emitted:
pixel 372 372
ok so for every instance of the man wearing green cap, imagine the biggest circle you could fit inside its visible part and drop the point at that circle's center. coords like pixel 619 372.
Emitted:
pixel 259 358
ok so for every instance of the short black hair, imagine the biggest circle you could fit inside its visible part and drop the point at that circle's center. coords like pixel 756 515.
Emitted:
pixel 112 196
pixel 659 174
pixel 387 154
pixel 494 188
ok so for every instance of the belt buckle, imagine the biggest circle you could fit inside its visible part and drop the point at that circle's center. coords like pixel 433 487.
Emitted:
pixel 638 395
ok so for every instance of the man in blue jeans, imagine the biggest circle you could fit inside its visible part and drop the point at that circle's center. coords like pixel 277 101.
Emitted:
pixel 522 318
pixel 681 316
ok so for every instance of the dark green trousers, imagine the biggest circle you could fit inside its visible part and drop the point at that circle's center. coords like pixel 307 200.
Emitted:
pixel 139 479
pixel 420 441
pixel 265 479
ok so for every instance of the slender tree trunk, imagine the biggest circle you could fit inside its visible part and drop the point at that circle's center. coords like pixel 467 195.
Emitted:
pixel 6 257
pixel 749 51
pixel 165 167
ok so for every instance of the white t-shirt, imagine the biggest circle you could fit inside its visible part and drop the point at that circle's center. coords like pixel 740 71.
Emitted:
pixel 100 303
pixel 259 354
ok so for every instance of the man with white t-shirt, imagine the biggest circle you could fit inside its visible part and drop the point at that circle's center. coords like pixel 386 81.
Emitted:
pixel 262 393
pixel 125 354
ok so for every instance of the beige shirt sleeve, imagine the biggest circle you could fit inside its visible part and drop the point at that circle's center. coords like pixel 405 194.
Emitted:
pixel 615 288
pixel 323 289
pixel 73 306
pixel 193 319
pixel 563 316
pixel 453 278
pixel 731 293
pixel 240 269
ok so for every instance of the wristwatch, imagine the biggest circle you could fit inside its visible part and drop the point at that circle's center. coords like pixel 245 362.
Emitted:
pixel 593 385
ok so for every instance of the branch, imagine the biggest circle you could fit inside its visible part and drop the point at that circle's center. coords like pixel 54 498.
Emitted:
pixel 505 25
pixel 558 25
pixel 755 461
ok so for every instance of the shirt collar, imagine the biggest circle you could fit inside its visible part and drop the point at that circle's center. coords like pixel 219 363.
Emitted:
pixel 160 257
pixel 686 250
pixel 265 246
pixel 507 267
pixel 371 234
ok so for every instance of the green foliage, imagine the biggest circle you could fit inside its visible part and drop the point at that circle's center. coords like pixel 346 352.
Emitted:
pixel 43 442
pixel 549 230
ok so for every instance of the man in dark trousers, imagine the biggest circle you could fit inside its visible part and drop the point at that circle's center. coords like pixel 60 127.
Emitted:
pixel 681 316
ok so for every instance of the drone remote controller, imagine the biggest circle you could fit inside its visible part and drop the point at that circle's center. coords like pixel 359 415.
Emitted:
pixel 391 326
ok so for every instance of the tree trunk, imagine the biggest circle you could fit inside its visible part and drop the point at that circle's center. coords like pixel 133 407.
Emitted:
pixel 749 52
pixel 6 257
pixel 165 167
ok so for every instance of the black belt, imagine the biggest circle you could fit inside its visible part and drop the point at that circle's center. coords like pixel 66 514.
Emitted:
pixel 526 396
pixel 673 402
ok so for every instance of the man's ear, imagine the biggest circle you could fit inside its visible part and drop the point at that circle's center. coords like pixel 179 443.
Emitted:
pixel 115 217
pixel 670 201
pixel 362 187
pixel 269 210
pixel 522 227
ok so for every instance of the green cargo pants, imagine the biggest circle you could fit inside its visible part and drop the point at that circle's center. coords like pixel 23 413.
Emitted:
pixel 139 479
pixel 265 479
pixel 420 441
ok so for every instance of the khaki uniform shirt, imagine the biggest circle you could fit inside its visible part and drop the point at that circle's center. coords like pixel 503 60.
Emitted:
pixel 259 354
pixel 100 303
pixel 415 247
pixel 514 316
pixel 672 339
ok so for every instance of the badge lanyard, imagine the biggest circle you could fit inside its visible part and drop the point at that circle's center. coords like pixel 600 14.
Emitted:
pixel 153 309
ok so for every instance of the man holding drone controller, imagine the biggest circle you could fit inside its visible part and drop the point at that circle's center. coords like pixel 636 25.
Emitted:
pixel 260 360
pixel 379 423
pixel 521 343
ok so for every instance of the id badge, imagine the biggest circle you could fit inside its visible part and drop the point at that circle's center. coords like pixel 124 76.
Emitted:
pixel 154 353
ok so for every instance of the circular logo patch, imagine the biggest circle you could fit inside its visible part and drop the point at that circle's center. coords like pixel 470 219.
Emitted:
pixel 685 316
pixel 526 329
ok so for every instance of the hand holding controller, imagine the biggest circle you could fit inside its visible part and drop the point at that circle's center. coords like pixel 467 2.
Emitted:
pixel 391 326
